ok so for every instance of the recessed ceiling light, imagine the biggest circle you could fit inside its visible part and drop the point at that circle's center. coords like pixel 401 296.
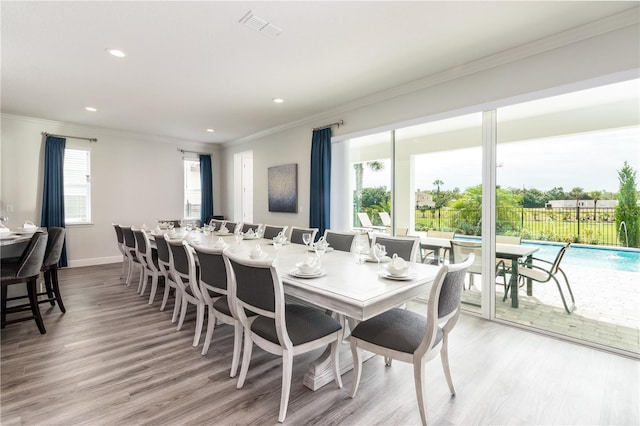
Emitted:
pixel 115 52
pixel 92 109
pixel 211 130
pixel 278 100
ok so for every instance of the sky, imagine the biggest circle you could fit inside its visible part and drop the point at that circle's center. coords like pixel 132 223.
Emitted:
pixel 590 161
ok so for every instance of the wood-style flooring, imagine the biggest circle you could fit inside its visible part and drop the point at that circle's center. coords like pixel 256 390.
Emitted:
pixel 112 359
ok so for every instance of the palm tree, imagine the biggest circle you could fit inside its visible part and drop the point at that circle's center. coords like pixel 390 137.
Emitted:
pixel 437 201
pixel 359 168
pixel 596 195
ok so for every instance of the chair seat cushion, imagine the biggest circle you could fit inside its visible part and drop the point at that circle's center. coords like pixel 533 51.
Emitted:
pixel 397 329
pixel 304 324
pixel 222 305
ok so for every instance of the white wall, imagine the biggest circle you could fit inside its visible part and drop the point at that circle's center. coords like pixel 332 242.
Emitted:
pixel 601 59
pixel 136 179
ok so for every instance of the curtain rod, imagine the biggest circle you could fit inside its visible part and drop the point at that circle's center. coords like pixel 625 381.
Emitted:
pixel 326 126
pixel 70 137
pixel 184 151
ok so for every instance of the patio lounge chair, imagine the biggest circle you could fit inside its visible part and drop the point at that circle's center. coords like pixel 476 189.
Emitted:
pixel 366 222
pixel 543 271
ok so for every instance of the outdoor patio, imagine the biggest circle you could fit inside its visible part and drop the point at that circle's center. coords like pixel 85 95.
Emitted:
pixel 606 312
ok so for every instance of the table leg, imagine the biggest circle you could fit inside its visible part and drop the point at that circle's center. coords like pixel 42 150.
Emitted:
pixel 513 282
pixel 529 261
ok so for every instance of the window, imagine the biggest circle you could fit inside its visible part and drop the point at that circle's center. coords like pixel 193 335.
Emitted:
pixel 77 186
pixel 192 188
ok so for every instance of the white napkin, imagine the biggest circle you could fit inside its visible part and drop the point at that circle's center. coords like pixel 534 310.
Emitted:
pixel 4 229
pixel 29 225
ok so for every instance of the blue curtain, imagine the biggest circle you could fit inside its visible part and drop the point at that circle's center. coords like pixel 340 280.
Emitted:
pixel 206 189
pixel 53 188
pixel 320 191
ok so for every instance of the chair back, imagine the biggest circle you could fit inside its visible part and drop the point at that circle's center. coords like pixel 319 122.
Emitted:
pixel 296 234
pixel 385 218
pixel 213 272
pixel 461 249
pixel 129 238
pixel 141 241
pixel 342 241
pixel 119 234
pixel 31 260
pixel 231 226
pixel 271 231
pixel 55 242
pixel 444 301
pixel 183 266
pixel 254 286
pixel 441 234
pixel 558 259
pixel 163 248
pixel 364 220
pixel 216 224
pixel 404 247
pixel 508 239
pixel 254 226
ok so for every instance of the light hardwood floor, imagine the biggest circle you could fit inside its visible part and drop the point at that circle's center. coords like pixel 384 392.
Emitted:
pixel 112 359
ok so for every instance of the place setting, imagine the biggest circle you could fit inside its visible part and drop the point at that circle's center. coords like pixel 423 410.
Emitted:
pixel 311 267
pixel 397 269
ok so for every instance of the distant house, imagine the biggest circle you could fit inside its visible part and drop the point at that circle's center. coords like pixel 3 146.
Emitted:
pixel 424 199
pixel 587 204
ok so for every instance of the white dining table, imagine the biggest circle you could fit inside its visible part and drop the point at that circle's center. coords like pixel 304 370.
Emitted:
pixel 353 291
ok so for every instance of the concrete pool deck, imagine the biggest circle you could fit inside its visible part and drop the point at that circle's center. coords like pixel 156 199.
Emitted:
pixel 607 307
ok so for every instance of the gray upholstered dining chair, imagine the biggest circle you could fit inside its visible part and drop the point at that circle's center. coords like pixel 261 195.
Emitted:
pixel 278 328
pixel 461 249
pixel 342 241
pixel 183 271
pixel 130 250
pixel 121 247
pixel 295 237
pixel 404 247
pixel 148 257
pixel 52 254
pixel 24 270
pixel 246 226
pixel 219 298
pixel 408 336
pixel 271 231
pixel 231 226
pixel 216 224
pixel 164 266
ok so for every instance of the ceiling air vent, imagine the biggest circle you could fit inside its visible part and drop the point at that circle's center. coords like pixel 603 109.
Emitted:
pixel 258 24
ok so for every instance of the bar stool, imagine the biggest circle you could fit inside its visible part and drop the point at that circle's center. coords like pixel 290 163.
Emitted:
pixel 25 270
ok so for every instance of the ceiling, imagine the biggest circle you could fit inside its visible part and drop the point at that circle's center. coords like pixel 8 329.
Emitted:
pixel 192 65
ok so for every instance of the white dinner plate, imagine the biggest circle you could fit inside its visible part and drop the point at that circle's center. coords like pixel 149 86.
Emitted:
pixel 296 273
pixel 255 237
pixel 313 249
pixel 386 274
pixel 373 259
pixel 264 255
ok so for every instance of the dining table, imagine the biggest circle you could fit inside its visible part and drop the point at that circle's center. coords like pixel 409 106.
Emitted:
pixel 350 287
pixel 516 253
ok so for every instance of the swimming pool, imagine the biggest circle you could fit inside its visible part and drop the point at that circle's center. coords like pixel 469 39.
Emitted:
pixel 599 257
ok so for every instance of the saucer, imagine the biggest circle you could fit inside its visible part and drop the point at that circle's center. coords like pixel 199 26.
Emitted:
pixel 262 256
pixel 296 273
pixel 385 259
pixel 408 276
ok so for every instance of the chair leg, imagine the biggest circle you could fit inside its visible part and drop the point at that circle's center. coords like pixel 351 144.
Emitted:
pixel 154 287
pixel 246 358
pixel 335 357
pixel 357 368
pixel 287 369
pixel 124 266
pixel 183 312
pixel 237 342
pixel 564 301
pixel 418 377
pixel 176 305
pixel 444 357
pixel 129 272
pixel 48 287
pixel 142 281
pixel 211 325
pixel 199 323
pixel 56 288
pixel 3 314
pixel 165 297
pixel 35 306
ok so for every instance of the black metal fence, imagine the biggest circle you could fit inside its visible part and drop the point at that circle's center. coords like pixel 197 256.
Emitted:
pixel 580 225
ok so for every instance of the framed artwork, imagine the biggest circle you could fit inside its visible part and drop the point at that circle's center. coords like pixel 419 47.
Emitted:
pixel 283 188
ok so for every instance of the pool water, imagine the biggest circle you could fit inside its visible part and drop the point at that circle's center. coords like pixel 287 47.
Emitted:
pixel 618 259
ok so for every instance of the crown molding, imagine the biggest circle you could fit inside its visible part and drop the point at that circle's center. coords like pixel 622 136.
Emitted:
pixel 615 22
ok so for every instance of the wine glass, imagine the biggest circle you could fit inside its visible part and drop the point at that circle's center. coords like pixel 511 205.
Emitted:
pixel 360 246
pixel 277 243
pixel 306 239
pixel 379 252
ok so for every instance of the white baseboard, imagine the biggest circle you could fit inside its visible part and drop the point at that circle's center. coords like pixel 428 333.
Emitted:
pixel 95 261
